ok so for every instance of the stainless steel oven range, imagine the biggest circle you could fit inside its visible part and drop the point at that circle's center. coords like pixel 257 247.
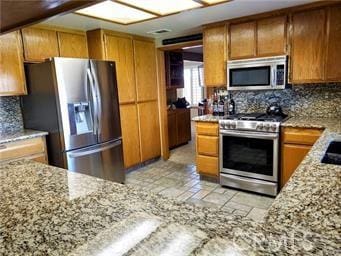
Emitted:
pixel 249 152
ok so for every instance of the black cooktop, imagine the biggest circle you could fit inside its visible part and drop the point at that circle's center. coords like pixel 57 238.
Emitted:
pixel 256 117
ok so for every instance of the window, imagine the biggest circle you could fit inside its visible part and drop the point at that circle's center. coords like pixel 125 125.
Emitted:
pixel 193 91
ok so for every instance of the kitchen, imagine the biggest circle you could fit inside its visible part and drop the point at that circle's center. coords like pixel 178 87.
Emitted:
pixel 198 198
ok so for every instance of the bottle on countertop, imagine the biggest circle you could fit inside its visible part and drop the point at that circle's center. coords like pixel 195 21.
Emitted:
pixel 232 106
pixel 221 105
pixel 226 106
pixel 215 104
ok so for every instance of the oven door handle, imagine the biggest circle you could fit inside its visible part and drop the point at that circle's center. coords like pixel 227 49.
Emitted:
pixel 255 135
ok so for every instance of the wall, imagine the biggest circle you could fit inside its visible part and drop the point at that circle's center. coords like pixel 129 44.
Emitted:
pixel 10 114
pixel 317 100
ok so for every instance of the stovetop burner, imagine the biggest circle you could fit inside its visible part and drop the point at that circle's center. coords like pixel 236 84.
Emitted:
pixel 260 122
pixel 256 117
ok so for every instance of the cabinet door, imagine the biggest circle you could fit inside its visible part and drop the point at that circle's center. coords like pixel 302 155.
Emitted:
pixel 12 77
pixel 130 135
pixel 308 46
pixel 207 145
pixel 149 130
pixel 333 70
pixel 120 50
pixel 207 165
pixel 243 40
pixel 271 36
pixel 145 70
pixel 292 156
pixel 72 45
pixel 172 130
pixel 39 44
pixel 214 49
pixel 184 125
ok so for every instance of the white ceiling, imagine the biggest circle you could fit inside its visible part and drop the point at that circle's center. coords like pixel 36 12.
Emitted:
pixel 183 23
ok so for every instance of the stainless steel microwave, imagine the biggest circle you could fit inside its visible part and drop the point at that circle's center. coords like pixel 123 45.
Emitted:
pixel 257 74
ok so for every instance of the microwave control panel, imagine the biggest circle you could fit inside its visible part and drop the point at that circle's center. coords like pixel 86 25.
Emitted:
pixel 280 75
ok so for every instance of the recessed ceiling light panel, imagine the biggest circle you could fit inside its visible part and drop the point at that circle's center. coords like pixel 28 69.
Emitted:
pixel 163 7
pixel 115 12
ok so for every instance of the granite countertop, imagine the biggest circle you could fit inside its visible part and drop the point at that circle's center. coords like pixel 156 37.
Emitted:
pixel 311 200
pixel 50 211
pixel 207 118
pixel 20 135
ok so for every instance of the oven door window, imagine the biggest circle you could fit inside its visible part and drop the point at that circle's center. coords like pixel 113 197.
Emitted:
pixel 248 155
pixel 255 76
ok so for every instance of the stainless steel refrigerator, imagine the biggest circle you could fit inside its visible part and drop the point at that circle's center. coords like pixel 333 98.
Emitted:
pixel 76 101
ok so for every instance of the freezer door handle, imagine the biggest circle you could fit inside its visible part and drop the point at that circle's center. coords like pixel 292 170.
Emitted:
pixel 94 150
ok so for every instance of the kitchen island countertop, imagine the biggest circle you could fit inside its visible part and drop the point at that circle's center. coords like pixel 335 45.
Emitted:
pixel 20 135
pixel 48 210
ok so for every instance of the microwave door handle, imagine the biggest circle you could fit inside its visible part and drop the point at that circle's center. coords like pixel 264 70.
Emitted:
pixel 273 83
pixel 94 100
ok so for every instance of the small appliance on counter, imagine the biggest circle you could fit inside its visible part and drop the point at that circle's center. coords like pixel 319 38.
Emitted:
pixel 249 151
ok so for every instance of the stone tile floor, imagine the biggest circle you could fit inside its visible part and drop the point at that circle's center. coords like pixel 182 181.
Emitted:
pixel 177 178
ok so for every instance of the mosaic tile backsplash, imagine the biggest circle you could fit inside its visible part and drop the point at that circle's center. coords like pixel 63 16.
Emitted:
pixel 316 100
pixel 10 114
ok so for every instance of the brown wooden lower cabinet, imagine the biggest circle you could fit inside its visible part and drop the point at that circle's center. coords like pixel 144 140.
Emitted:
pixel 149 129
pixel 296 143
pixel 130 135
pixel 34 149
pixel 207 148
pixel 179 127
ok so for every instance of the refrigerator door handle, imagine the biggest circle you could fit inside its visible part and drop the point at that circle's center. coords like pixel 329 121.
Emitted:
pixel 94 100
pixel 99 99
pixel 95 150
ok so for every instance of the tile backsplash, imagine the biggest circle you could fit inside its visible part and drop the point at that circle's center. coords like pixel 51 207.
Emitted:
pixel 316 100
pixel 10 114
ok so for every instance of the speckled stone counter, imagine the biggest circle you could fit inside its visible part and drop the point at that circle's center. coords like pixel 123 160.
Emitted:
pixel 49 211
pixel 207 118
pixel 20 135
pixel 311 200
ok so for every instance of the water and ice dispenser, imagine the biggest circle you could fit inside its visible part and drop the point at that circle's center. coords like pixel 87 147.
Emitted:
pixel 80 118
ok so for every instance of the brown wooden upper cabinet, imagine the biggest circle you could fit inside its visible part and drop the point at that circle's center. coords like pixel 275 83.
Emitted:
pixel 308 46
pixel 333 70
pixel 145 70
pixel 264 37
pixel 12 77
pixel 39 44
pixel 120 50
pixel 72 45
pixel 243 40
pixel 214 48
pixel 271 36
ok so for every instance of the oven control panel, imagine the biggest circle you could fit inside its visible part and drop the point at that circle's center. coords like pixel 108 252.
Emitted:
pixel 260 126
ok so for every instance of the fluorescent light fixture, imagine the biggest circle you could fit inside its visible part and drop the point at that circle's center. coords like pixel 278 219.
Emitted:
pixel 162 7
pixel 115 12
pixel 214 1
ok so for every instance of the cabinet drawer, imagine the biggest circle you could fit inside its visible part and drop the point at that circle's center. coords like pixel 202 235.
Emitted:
pixel 207 165
pixel 207 145
pixel 21 148
pixel 304 136
pixel 204 128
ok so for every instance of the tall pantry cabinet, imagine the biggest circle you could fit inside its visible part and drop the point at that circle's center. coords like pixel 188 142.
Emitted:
pixel 137 88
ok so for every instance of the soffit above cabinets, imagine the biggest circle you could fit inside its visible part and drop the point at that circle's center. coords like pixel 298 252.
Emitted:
pixel 15 14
